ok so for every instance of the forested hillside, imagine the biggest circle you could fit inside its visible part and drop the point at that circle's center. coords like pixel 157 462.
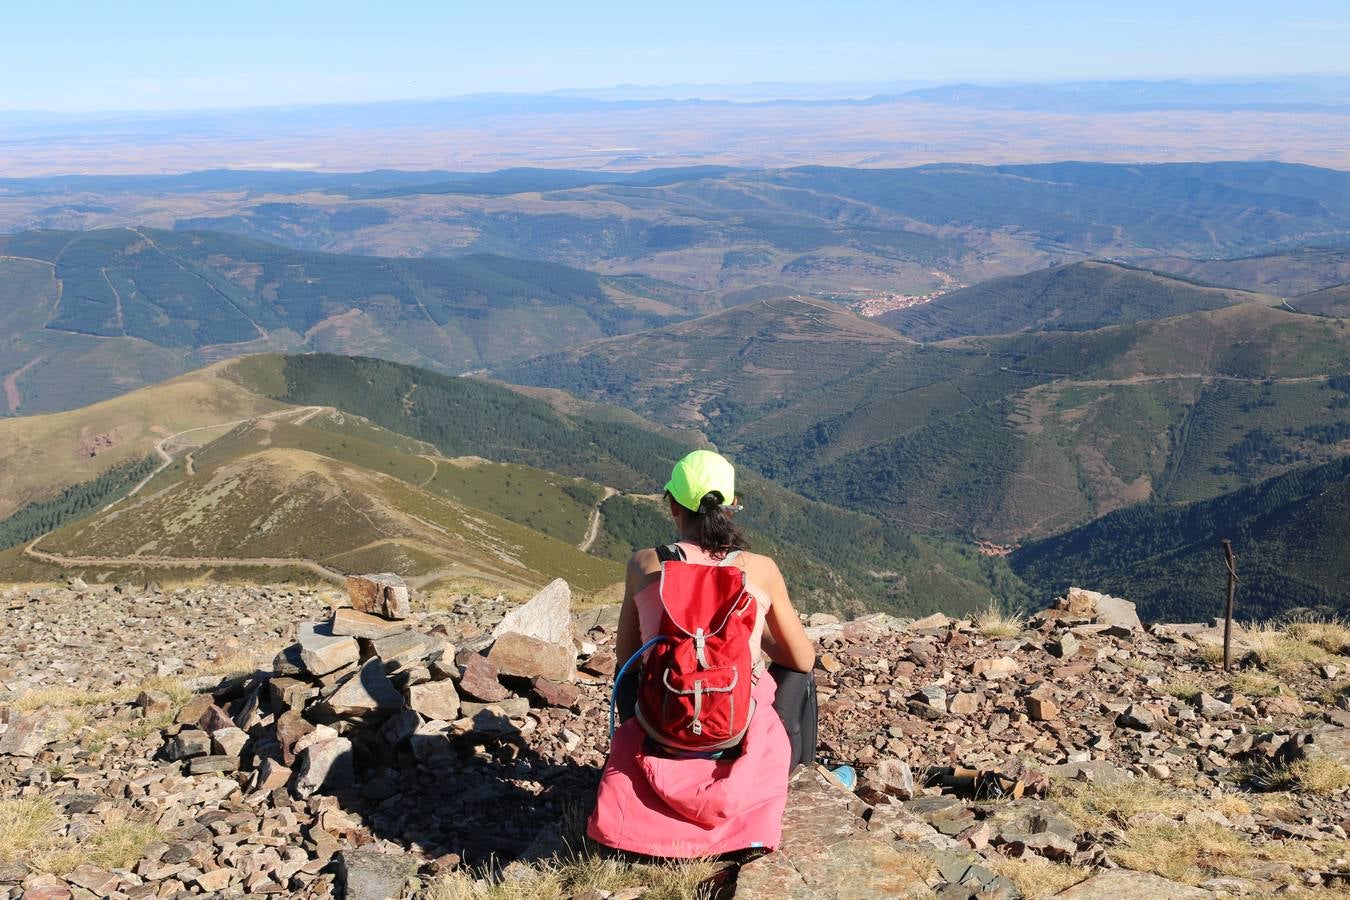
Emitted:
pixel 1301 269
pixel 1291 535
pixel 97 301
pixel 1077 297
pixel 1003 438
pixel 837 557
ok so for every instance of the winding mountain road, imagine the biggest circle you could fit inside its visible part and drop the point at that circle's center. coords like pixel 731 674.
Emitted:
pixel 593 530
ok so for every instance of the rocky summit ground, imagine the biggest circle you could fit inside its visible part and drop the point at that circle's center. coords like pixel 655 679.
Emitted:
pixel 224 740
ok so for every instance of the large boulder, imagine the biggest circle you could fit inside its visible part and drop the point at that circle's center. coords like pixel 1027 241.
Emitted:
pixel 547 616
pixel 375 875
pixel 1101 608
pixel 435 700
pixel 823 854
pixel 28 735
pixel 357 624
pixel 325 762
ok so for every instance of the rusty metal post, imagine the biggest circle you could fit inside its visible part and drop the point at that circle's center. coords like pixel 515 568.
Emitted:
pixel 1228 609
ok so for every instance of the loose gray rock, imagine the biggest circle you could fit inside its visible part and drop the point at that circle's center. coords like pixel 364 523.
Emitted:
pixel 368 691
pixel 374 875
pixel 322 652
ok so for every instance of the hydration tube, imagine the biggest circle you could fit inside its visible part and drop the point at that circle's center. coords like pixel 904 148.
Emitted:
pixel 618 679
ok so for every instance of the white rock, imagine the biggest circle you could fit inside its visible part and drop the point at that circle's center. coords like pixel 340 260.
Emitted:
pixel 547 616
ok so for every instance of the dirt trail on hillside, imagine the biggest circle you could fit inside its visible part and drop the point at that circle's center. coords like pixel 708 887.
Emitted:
pixel 1171 376
pixel 593 531
pixel 14 396
pixel 182 562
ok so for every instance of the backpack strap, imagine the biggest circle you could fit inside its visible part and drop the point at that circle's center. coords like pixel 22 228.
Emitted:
pixel 670 553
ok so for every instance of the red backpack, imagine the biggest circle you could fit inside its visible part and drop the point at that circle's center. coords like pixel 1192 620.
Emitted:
pixel 694 689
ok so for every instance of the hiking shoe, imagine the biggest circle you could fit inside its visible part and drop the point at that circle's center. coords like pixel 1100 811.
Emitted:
pixel 847 775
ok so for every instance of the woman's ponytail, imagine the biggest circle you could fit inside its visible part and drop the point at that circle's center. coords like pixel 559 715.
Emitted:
pixel 712 526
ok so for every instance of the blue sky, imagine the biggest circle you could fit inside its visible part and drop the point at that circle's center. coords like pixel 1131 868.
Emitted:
pixel 188 54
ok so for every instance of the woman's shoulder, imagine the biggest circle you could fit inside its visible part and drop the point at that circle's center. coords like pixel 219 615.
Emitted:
pixel 644 561
pixel 758 563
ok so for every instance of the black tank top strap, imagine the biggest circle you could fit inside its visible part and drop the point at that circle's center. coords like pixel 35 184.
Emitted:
pixel 670 553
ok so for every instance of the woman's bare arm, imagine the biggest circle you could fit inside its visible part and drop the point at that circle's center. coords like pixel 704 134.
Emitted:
pixel 629 637
pixel 787 642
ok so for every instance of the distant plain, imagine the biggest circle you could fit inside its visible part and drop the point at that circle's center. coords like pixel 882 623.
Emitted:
pixel 902 132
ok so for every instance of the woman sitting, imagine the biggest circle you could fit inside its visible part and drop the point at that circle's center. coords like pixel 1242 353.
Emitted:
pixel 662 800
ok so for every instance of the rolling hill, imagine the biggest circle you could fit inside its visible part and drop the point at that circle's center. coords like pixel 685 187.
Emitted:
pixel 363 464
pixel 1332 301
pixel 1286 273
pixel 1075 297
pixel 1001 438
pixel 90 314
pixel 1291 535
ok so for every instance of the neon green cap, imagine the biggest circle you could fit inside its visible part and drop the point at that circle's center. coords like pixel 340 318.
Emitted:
pixel 697 474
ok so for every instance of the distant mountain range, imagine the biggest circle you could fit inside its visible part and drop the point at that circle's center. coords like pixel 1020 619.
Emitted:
pixel 1287 273
pixel 1141 350
pixel 1082 96
pixel 728 231
pixel 754 126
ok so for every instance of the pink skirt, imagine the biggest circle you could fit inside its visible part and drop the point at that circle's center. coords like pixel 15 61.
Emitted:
pixel 656 806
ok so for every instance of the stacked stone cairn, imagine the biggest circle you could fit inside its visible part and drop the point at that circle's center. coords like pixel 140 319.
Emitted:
pixel 367 684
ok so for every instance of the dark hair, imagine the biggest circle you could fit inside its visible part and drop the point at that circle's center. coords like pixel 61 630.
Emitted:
pixel 712 526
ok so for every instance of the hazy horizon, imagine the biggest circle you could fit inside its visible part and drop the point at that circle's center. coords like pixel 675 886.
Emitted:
pixel 743 92
pixel 160 56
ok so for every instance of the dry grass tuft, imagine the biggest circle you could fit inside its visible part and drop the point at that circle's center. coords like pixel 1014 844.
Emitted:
pixel 445 593
pixel 1185 690
pixel 1097 806
pixel 30 833
pixel 999 621
pixel 1170 847
pixel 28 827
pixel 1255 684
pixel 1037 878
pixel 238 663
pixel 1280 651
pixel 567 877
pixel 1187 853
pixel 1211 654
pixel 1320 776
pixel 65 697
pixel 1332 637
